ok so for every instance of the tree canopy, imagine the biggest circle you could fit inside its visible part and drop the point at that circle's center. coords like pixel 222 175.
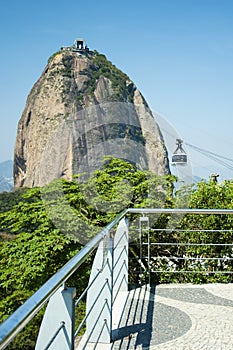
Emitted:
pixel 42 228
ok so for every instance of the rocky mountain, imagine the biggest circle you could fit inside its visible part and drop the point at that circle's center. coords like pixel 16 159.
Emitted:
pixel 6 176
pixel 81 109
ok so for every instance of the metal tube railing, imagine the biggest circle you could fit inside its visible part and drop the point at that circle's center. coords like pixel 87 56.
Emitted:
pixel 198 259
pixel 55 335
pixel 86 316
pixel 192 244
pixel 18 320
pixel 86 290
pixel 178 211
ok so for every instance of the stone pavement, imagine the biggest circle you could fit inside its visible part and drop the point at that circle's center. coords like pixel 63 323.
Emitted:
pixel 177 317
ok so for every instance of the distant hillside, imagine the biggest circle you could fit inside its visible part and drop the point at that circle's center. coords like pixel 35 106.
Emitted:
pixel 6 175
pixel 6 169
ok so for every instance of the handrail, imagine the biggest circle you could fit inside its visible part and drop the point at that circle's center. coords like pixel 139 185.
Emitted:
pixel 16 322
pixel 178 211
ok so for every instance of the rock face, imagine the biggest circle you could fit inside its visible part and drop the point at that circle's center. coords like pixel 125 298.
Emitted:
pixel 81 109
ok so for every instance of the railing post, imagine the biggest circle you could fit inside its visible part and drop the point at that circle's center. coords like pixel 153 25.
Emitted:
pixel 120 273
pixel 109 277
pixel 57 328
pixel 99 296
pixel 144 227
pixel 120 258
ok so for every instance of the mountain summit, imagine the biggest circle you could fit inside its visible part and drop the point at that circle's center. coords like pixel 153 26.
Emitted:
pixel 81 109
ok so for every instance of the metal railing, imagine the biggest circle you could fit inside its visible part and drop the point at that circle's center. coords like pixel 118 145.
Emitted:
pixel 166 252
pixel 18 320
pixel 108 276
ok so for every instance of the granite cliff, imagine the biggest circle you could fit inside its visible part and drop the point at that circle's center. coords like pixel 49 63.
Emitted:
pixel 81 109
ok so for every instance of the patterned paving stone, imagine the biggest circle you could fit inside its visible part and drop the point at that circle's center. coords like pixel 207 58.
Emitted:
pixel 178 317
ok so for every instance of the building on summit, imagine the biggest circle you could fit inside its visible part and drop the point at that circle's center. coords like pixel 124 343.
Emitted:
pixel 79 46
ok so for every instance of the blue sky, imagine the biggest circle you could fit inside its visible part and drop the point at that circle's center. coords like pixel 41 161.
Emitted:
pixel 178 53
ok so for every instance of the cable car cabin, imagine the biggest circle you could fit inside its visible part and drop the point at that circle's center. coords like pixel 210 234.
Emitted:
pixel 179 159
pixel 179 156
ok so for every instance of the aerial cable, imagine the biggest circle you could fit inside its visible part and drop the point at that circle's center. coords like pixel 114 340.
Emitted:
pixel 212 153
pixel 212 156
pixel 216 159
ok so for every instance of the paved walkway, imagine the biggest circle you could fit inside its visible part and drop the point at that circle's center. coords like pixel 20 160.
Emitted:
pixel 177 317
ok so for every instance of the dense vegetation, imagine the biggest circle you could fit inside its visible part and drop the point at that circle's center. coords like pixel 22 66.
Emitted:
pixel 99 66
pixel 208 238
pixel 33 245
pixel 42 228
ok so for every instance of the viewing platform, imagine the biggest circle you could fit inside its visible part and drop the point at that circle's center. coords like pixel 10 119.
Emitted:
pixel 177 317
pixel 144 315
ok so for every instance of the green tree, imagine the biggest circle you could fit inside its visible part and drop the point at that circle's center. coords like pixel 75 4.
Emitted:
pixel 219 230
pixel 50 225
pixel 214 259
